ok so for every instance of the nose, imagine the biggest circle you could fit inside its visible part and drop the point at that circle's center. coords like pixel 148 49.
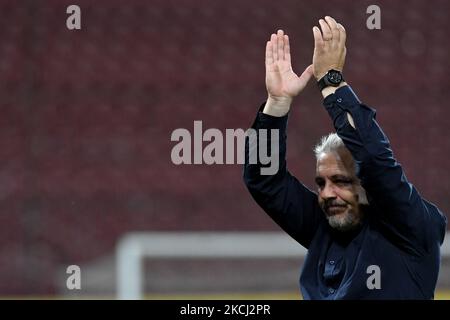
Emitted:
pixel 328 191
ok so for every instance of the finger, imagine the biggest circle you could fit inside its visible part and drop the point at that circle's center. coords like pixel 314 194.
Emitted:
pixel 326 31
pixel 334 28
pixel 307 74
pixel 342 34
pixel 305 77
pixel 318 41
pixel 269 53
pixel 287 49
pixel 274 45
pixel 280 45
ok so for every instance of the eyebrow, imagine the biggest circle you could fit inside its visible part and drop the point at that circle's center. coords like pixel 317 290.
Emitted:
pixel 335 177
pixel 341 176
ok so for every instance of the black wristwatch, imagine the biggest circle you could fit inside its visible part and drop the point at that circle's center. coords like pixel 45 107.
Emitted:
pixel 333 78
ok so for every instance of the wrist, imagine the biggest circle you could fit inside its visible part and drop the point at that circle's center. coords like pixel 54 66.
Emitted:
pixel 320 75
pixel 330 90
pixel 277 107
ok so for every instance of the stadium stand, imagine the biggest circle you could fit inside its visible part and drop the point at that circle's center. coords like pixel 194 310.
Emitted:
pixel 86 118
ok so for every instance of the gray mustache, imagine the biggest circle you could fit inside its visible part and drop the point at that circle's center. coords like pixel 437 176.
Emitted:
pixel 329 204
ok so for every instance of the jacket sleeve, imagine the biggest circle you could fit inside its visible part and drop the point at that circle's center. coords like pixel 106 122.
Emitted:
pixel 415 224
pixel 288 202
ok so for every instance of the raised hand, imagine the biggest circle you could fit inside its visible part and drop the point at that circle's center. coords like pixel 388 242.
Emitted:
pixel 329 47
pixel 282 83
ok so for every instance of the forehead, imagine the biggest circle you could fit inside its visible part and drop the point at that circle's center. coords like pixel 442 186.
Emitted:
pixel 332 163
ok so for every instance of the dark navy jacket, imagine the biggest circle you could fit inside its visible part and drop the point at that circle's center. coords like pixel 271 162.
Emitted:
pixel 401 233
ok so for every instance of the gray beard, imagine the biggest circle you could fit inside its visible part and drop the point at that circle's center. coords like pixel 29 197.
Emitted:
pixel 346 223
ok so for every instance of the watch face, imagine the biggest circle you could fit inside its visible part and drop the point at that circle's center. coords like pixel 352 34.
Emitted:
pixel 335 77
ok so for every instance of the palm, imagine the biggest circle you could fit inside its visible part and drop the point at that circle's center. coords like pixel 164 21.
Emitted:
pixel 281 80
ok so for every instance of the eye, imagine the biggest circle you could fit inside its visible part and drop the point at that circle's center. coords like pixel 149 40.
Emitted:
pixel 343 181
pixel 320 183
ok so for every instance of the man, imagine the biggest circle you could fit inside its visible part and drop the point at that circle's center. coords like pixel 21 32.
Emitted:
pixel 369 233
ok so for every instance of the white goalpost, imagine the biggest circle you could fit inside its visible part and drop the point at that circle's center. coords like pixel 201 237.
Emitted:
pixel 134 247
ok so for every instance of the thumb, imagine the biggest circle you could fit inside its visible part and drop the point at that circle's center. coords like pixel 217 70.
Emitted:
pixel 306 75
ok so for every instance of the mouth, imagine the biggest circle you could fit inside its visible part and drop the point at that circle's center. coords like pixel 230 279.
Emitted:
pixel 333 210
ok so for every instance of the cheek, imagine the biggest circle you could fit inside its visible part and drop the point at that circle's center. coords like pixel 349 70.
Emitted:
pixel 321 203
pixel 349 196
pixel 320 200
